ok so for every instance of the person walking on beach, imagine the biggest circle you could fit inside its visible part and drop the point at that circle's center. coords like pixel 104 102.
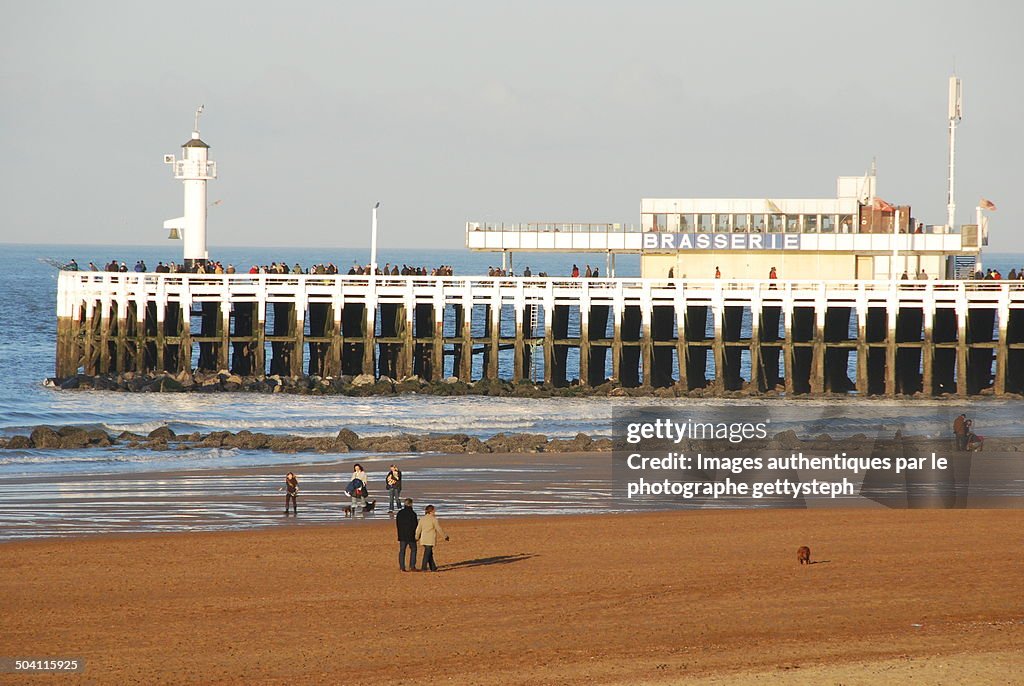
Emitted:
pixel 960 432
pixel 393 484
pixel 357 489
pixel 428 530
pixel 406 523
pixel 291 496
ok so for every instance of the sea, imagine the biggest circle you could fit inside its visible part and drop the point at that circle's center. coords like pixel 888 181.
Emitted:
pixel 59 493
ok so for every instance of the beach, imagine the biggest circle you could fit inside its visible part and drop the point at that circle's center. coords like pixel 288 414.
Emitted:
pixel 657 598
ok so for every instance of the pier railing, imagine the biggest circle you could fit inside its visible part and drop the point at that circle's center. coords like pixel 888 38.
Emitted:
pixel 893 337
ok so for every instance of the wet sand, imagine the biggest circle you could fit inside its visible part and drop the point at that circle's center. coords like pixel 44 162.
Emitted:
pixel 932 596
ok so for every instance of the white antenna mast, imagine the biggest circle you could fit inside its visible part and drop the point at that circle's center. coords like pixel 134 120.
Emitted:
pixel 195 129
pixel 955 114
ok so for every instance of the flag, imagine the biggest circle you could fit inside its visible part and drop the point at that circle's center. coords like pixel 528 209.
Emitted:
pixel 772 207
pixel 883 205
pixel 987 204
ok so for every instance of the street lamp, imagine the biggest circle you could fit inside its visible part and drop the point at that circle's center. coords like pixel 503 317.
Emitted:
pixel 373 242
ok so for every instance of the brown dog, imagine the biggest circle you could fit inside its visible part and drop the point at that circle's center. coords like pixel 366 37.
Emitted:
pixel 803 555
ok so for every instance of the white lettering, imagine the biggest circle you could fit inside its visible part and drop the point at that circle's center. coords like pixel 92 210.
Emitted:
pixel 703 241
pixel 721 241
pixel 755 241
pixel 666 240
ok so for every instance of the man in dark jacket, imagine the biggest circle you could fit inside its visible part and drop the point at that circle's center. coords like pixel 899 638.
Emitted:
pixel 406 522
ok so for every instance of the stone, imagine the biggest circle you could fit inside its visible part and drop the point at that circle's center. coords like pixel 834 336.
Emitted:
pixel 162 432
pixel 364 380
pixel 45 437
pixel 348 438
pixel 19 443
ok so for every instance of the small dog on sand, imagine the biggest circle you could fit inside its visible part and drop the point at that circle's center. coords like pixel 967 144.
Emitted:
pixel 366 508
pixel 803 555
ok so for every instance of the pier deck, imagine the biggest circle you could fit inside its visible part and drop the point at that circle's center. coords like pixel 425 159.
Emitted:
pixel 868 337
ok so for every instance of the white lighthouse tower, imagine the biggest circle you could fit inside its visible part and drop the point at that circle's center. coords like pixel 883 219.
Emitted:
pixel 195 170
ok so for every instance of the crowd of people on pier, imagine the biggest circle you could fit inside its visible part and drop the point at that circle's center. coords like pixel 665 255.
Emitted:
pixel 413 531
pixel 217 267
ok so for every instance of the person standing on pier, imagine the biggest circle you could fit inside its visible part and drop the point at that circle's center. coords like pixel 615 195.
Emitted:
pixel 291 496
pixel 718 273
pixel 393 484
pixel 406 522
pixel 575 272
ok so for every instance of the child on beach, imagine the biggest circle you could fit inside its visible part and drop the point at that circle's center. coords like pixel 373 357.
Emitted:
pixel 427 532
pixel 291 496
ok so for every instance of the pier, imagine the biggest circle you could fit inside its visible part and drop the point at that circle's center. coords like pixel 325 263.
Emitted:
pixel 872 338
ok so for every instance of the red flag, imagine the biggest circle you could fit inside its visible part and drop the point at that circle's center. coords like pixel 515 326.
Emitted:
pixel 883 206
pixel 987 204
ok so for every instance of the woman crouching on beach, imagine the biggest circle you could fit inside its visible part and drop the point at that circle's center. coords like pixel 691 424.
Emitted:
pixel 291 496
pixel 428 530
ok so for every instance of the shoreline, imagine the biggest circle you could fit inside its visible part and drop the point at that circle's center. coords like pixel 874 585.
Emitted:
pixel 706 595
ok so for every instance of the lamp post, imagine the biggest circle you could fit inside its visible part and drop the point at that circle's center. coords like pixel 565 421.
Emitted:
pixel 373 242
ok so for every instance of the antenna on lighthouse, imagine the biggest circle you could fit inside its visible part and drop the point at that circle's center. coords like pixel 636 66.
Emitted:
pixel 195 129
pixel 955 115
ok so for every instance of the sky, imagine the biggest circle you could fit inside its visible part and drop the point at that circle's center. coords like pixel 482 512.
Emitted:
pixel 448 112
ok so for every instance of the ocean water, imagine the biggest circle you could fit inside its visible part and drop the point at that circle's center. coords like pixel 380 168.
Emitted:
pixel 27 341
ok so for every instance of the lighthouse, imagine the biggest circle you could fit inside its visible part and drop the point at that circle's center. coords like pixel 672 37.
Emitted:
pixel 194 169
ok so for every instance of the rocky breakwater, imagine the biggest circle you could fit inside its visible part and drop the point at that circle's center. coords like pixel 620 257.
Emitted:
pixel 346 440
pixel 368 385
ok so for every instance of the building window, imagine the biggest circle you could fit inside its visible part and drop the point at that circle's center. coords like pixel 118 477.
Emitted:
pixel 704 224
pixel 811 223
pixel 685 223
pixel 846 224
pixel 792 223
pixel 660 222
pixel 722 223
pixel 828 223
pixel 776 222
pixel 741 223
pixel 758 223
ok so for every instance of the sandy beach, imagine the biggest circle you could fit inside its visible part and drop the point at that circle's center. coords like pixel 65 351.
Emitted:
pixel 661 598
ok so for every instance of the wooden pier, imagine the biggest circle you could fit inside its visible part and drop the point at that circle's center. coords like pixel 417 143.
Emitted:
pixel 868 337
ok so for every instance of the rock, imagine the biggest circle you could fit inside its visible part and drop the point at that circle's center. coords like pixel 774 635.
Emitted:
pixel 45 437
pixel 80 439
pixel 348 438
pixel 19 443
pixel 786 440
pixel 364 380
pixel 98 438
pixel 70 384
pixel 163 433
pixel 517 443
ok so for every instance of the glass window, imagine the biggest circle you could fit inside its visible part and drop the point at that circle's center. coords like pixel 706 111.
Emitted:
pixel 846 224
pixel 828 223
pixel 741 223
pixel 685 223
pixel 776 222
pixel 704 223
pixel 792 223
pixel 660 222
pixel 811 223
pixel 758 223
pixel 722 223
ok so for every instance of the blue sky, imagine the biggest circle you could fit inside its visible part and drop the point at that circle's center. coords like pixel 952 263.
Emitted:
pixel 493 111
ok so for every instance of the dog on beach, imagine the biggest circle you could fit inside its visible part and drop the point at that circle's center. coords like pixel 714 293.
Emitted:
pixel 366 508
pixel 803 555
